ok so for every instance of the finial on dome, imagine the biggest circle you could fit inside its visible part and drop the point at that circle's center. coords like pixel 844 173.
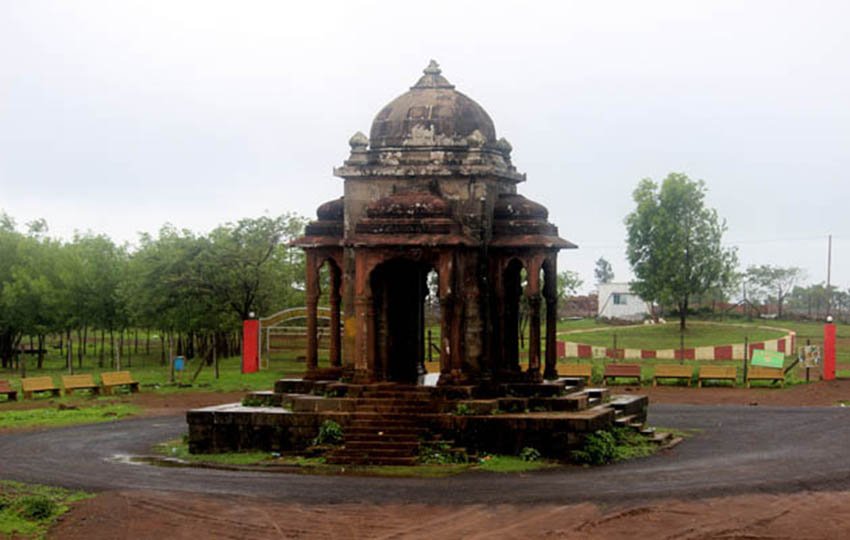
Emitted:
pixel 503 145
pixel 433 77
pixel 433 68
pixel 358 141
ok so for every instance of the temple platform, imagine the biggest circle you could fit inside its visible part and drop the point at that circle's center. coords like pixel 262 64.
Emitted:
pixel 389 423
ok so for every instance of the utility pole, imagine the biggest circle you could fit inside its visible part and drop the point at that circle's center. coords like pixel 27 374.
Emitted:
pixel 829 277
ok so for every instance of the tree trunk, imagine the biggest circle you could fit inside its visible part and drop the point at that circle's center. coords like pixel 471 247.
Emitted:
pixel 161 348
pixel 683 314
pixel 40 350
pixel 102 348
pixel 112 347
pixel 69 360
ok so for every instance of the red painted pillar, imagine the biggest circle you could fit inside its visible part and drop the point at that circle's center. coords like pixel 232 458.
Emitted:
pixel 250 346
pixel 829 350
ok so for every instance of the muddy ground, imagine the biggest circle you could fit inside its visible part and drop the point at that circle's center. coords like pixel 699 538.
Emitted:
pixel 140 514
pixel 159 515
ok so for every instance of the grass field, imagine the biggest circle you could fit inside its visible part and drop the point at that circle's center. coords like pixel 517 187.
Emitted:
pixel 157 378
pixel 667 336
pixel 28 511
pixel 316 465
pixel 56 417
pixel 154 377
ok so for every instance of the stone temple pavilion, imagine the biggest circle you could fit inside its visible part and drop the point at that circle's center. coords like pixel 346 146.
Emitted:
pixel 431 191
pixel 432 188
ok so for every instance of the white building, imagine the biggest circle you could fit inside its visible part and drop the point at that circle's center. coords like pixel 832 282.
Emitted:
pixel 617 301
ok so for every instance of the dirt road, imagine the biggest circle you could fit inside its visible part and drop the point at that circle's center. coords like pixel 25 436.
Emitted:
pixel 736 450
pixel 747 472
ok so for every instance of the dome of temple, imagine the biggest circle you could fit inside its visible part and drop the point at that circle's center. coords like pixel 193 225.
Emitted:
pixel 515 206
pixel 331 210
pixel 432 113
pixel 414 204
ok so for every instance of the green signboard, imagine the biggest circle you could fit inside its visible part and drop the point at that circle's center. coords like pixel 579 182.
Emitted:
pixel 768 358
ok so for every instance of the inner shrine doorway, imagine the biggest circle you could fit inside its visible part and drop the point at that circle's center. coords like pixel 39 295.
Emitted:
pixel 400 289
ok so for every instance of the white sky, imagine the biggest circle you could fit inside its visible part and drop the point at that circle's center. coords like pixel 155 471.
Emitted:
pixel 117 117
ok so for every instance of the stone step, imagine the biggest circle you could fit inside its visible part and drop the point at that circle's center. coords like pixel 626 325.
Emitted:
pixel 377 431
pixel 368 460
pixel 372 446
pixel 392 401
pixel 396 409
pixel 661 438
pixel 396 396
pixel 372 452
pixel 625 420
pixel 391 418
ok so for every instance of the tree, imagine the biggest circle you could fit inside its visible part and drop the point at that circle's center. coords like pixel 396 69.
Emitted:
pixel 568 283
pixel 772 283
pixel 603 271
pixel 674 243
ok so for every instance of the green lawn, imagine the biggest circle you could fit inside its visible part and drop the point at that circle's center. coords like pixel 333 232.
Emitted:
pixel 154 377
pixel 28 511
pixel 56 417
pixel 316 465
pixel 667 336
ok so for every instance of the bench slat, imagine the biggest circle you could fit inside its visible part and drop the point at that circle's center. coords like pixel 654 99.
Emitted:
pixel 110 379
pixel 38 384
pixel 575 370
pixel 613 371
pixel 672 371
pixel 6 388
pixel 79 382
pixel 762 373
pixel 729 373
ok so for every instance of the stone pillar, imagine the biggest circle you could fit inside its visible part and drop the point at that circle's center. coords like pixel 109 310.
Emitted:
pixel 349 321
pixel 532 293
pixel 312 315
pixel 364 313
pixel 534 334
pixel 550 292
pixel 336 349
pixel 446 315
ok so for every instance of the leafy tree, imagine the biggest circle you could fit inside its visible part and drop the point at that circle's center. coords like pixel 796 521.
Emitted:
pixel 603 271
pixel 772 283
pixel 568 283
pixel 674 243
pixel 249 266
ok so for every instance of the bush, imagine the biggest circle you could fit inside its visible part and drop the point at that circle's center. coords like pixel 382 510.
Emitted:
pixel 463 409
pixel 603 447
pixel 529 454
pixel 253 401
pixel 599 448
pixel 329 433
pixel 37 507
pixel 441 453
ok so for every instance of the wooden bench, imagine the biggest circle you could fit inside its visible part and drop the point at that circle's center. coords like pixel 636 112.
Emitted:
pixel 111 379
pixel 38 384
pixel 625 371
pixel 720 373
pixel 79 382
pixel 6 388
pixel 761 373
pixel 672 371
pixel 582 371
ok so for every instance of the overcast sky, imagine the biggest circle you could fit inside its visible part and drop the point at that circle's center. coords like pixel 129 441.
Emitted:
pixel 118 117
